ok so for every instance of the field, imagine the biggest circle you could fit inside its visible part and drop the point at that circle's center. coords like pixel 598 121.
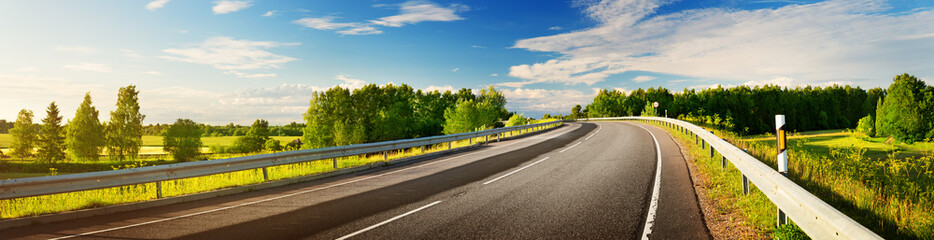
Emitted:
pixel 887 187
pixel 53 203
pixel 152 145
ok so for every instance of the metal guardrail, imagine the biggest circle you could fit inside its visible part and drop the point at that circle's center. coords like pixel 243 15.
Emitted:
pixel 27 187
pixel 815 217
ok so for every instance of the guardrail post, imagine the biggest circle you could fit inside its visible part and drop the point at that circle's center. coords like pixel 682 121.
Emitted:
pixel 385 155
pixel 745 185
pixel 334 162
pixel 723 162
pixel 265 175
pixel 158 189
pixel 711 151
pixel 486 139
pixel 449 145
pixel 498 136
pixel 782 158
pixel 423 149
pixel 470 141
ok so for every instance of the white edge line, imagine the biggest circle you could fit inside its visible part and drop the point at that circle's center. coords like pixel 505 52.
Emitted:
pixel 594 133
pixel 387 221
pixel 279 197
pixel 515 171
pixel 653 205
pixel 569 148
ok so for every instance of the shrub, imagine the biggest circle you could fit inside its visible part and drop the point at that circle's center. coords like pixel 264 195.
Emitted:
pixel 866 126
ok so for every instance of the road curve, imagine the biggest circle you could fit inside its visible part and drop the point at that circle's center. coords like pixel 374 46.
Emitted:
pixel 585 180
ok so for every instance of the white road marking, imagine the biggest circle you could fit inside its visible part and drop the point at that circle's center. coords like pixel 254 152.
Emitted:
pixel 572 146
pixel 594 133
pixel 515 171
pixel 387 221
pixel 653 205
pixel 284 196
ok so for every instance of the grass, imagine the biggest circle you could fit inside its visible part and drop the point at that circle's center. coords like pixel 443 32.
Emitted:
pixel 886 188
pixel 726 187
pixel 54 203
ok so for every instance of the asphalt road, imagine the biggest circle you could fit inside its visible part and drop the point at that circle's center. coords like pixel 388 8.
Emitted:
pixel 585 180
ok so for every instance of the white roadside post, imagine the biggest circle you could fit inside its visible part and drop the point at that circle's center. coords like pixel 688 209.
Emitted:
pixel 782 158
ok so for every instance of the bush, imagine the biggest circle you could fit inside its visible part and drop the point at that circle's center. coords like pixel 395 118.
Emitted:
pixel 517 120
pixel 866 126
pixel 273 145
pixel 183 140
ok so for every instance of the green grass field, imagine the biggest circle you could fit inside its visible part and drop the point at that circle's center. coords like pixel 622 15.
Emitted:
pixel 152 145
pixel 823 142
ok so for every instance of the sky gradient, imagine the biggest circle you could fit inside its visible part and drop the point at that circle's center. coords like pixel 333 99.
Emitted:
pixel 219 62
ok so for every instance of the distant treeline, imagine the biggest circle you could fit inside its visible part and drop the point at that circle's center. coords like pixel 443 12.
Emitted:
pixel 291 129
pixel 5 126
pixel 381 113
pixel 908 114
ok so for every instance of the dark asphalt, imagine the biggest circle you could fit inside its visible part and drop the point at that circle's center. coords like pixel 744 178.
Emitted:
pixel 596 188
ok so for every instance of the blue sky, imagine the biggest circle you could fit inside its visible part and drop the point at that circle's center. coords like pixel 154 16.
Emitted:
pixel 235 61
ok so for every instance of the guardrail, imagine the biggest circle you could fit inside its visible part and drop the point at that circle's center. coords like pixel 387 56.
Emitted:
pixel 815 217
pixel 27 187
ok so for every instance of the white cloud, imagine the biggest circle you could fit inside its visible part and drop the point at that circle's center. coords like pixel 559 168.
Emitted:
pixel 327 23
pixel 29 69
pixel 440 88
pixel 93 67
pixel 542 100
pixel 270 13
pixel 77 49
pixel 154 73
pixel 131 53
pixel 249 75
pixel 829 41
pixel 350 83
pixel 494 75
pixel 156 4
pixel 640 79
pixel 477 46
pixel 413 12
pixel 227 6
pixel 231 54
pixel 792 83
pixel 555 28
pixel 455 69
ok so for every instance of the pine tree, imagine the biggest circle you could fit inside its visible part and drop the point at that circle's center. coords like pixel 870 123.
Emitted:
pixel 125 130
pixel 24 135
pixel 85 138
pixel 51 137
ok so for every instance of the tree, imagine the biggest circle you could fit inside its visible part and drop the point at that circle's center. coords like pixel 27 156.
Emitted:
pixel 517 120
pixel 255 138
pixel 125 130
pixel 183 140
pixel 904 115
pixel 576 112
pixel 273 145
pixel 51 137
pixel 649 110
pixel 882 119
pixel 24 135
pixel 85 137
pixel 462 118
pixel 866 126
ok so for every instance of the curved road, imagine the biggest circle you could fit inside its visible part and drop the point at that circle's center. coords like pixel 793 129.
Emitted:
pixel 585 180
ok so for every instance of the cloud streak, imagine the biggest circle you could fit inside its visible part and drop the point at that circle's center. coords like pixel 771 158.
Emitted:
pixel 227 6
pixel 226 53
pixel 410 12
pixel 815 43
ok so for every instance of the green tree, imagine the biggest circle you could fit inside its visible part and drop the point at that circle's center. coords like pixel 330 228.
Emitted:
pixel 462 118
pixel 51 137
pixel 85 137
pixel 182 139
pixel 649 110
pixel 255 138
pixel 517 120
pixel 125 130
pixel 273 145
pixel 24 135
pixel 882 118
pixel 866 126
pixel 576 112
pixel 904 115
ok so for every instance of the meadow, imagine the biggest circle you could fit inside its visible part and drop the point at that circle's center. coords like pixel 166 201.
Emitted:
pixel 887 187
pixel 53 203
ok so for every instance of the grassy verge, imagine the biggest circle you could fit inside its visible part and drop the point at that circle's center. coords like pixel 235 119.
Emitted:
pixel 726 189
pixel 888 191
pixel 54 203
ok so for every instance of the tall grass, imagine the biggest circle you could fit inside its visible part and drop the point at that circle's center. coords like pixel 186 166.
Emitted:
pixel 54 203
pixel 891 196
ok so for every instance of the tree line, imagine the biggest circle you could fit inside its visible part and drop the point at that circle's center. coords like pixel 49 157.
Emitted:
pixel 85 136
pixel 229 130
pixel 905 110
pixel 339 116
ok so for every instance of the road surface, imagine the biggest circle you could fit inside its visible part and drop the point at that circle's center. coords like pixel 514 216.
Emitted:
pixel 585 180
